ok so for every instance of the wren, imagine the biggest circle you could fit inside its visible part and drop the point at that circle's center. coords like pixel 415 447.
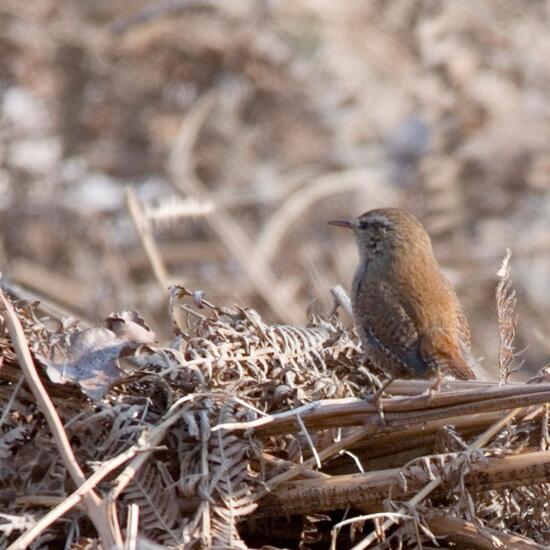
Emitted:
pixel 407 314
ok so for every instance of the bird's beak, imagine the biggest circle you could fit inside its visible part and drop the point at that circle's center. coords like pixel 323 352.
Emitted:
pixel 341 223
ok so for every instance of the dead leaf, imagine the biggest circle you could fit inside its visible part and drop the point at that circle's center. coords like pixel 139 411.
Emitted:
pixel 131 326
pixel 92 356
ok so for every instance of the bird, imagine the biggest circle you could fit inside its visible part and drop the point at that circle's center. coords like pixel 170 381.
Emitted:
pixel 407 314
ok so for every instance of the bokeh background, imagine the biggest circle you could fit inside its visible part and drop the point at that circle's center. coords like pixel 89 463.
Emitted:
pixel 243 126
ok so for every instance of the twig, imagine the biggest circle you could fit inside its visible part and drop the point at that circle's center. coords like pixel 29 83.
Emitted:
pixel 267 419
pixel 7 409
pixel 468 535
pixel 486 436
pixel 339 525
pixel 370 490
pixel 355 459
pixel 74 498
pixel 205 471
pixel 93 503
pixel 421 495
pixel 399 412
pixel 281 463
pixel 324 454
pixel 544 436
pixel 309 441
pixel 132 529
pixel 143 228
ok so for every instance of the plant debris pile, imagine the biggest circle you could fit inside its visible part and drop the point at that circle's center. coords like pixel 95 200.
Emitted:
pixel 240 434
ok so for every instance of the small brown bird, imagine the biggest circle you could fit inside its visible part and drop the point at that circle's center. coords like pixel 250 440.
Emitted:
pixel 407 314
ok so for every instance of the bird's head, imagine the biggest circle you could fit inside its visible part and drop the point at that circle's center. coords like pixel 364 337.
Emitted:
pixel 386 232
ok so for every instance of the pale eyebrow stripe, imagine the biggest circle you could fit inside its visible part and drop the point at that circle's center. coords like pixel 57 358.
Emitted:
pixel 383 220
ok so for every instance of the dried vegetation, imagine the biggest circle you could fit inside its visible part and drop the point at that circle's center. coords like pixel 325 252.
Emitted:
pixel 238 129
pixel 240 434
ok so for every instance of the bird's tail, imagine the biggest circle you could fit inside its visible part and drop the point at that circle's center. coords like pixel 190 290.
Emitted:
pixel 439 347
pixel 460 368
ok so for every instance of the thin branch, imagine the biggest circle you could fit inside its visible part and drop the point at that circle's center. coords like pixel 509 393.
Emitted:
pixel 143 228
pixel 10 402
pixel 370 490
pixel 324 454
pixel 304 471
pixel 132 527
pixel 309 441
pixel 468 535
pixel 399 411
pixel 339 525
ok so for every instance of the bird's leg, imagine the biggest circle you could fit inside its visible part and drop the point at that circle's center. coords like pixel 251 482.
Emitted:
pixel 436 386
pixel 378 393
pixel 376 397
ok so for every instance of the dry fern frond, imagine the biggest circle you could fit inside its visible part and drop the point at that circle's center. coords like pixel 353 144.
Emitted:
pixel 272 366
pixel 156 497
pixel 507 320
pixel 173 209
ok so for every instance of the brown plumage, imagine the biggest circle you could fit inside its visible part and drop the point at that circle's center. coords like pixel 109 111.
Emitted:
pixel 407 314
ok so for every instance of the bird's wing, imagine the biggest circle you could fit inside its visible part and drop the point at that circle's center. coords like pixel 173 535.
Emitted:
pixel 390 327
pixel 462 323
pixel 389 330
pixel 461 368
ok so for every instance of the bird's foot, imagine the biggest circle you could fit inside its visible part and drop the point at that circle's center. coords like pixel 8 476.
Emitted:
pixel 376 399
pixel 434 388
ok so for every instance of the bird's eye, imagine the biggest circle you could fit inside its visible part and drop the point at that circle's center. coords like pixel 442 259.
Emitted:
pixel 370 224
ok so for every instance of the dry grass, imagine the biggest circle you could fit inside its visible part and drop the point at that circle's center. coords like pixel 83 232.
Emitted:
pixel 237 425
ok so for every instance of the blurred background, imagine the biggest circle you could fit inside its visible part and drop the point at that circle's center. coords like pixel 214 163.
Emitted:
pixel 242 126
